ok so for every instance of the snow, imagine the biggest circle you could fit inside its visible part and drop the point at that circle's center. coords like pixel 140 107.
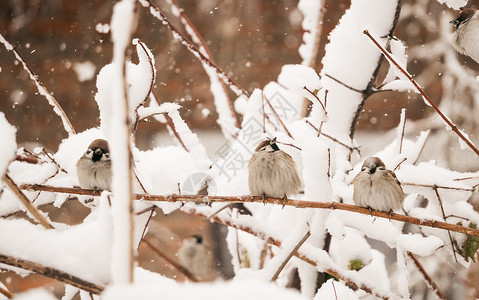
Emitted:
pixel 9 144
pixel 35 294
pixel 121 26
pixel 85 70
pixel 455 4
pixel 311 12
pixel 67 248
pixel 332 289
pixel 240 288
pixel 326 169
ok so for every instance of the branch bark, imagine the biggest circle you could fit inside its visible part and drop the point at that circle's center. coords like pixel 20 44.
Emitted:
pixel 29 206
pixel 52 273
pixel 270 200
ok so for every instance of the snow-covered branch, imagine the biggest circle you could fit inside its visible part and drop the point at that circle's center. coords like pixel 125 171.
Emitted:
pixel 67 125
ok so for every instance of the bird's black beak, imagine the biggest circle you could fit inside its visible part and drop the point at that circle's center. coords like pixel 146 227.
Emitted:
pixel 273 144
pixel 97 154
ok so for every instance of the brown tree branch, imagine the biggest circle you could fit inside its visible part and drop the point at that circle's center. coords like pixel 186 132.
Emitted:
pixel 270 200
pixel 6 293
pixel 173 263
pixel 429 282
pixel 277 116
pixel 67 125
pixel 52 273
pixel 157 13
pixel 28 205
pixel 191 29
pixel 423 94
pixel 332 138
pixel 295 249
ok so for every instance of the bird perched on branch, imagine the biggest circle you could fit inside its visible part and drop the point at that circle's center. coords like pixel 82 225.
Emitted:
pixel 94 167
pixel 272 172
pixel 466 37
pixel 196 257
pixel 376 187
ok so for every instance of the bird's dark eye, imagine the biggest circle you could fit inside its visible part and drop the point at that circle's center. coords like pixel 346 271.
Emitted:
pixel 88 151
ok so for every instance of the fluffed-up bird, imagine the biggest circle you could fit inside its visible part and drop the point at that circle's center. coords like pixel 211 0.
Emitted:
pixel 272 172
pixel 466 36
pixel 94 167
pixel 196 257
pixel 376 187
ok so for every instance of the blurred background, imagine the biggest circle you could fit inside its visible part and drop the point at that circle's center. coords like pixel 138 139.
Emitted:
pixel 66 43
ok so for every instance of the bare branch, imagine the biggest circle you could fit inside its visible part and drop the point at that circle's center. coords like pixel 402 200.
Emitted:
pixel 332 138
pixel 445 219
pixel 277 116
pixel 191 29
pixel 156 12
pixel 449 123
pixel 6 293
pixel 270 200
pixel 295 249
pixel 430 283
pixel 173 263
pixel 52 273
pixel 67 125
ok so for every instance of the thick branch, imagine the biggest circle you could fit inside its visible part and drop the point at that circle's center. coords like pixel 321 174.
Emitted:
pixel 52 273
pixel 269 200
pixel 28 205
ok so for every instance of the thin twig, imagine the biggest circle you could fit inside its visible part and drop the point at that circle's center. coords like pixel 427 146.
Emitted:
pixel 445 219
pixel 157 13
pixel 169 123
pixel 291 145
pixel 449 123
pixel 344 84
pixel 429 282
pixel 317 98
pixel 173 263
pixel 191 29
pixel 334 289
pixel 399 164
pixel 67 125
pixel 148 222
pixel 403 127
pixel 277 116
pixel 291 254
pixel 332 138
pixel 28 205
pixel 438 186
pixel 270 200
pixel 52 273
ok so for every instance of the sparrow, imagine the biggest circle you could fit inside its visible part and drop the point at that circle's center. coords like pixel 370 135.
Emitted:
pixel 272 172
pixel 94 167
pixel 466 37
pixel 376 187
pixel 196 257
